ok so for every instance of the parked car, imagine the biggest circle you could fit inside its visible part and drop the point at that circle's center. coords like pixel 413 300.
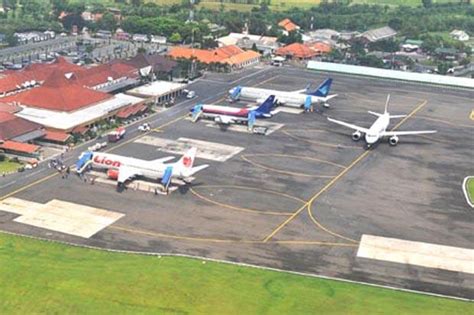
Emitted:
pixel 144 127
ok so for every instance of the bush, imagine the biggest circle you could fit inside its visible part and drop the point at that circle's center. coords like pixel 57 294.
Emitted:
pixel 2 157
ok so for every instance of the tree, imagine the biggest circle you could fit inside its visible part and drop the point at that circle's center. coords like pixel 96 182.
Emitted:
pixel 292 37
pixel 11 39
pixel 427 3
pixel 107 22
pixel 443 67
pixel 175 38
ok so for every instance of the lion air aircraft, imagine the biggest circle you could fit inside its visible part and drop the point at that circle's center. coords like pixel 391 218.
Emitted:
pixel 122 168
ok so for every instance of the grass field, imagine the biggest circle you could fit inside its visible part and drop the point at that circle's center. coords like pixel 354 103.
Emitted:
pixel 44 277
pixel 411 3
pixel 470 189
pixel 8 166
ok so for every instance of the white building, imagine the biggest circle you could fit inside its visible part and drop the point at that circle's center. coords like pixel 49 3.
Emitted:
pixel 459 35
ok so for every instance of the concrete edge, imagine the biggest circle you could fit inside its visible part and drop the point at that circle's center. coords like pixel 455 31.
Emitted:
pixel 464 189
pixel 241 265
pixel 451 87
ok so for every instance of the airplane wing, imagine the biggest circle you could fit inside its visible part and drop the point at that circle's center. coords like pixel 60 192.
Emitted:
pixel 163 160
pixel 407 133
pixel 126 173
pixel 360 129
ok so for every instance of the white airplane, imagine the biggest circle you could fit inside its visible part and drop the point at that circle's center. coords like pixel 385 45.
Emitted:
pixel 124 168
pixel 378 130
pixel 300 98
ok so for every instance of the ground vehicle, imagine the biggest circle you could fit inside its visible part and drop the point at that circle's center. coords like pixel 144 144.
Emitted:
pixel 191 94
pixel 144 127
pixel 116 135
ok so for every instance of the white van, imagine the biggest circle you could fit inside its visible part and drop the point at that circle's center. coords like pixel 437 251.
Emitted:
pixel 191 94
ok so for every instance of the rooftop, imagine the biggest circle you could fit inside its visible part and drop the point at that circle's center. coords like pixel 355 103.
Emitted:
pixel 297 50
pixel 379 34
pixel 19 147
pixel 58 93
pixel 288 25
pixel 157 88
pixel 228 54
pixel 68 120
pixel 12 126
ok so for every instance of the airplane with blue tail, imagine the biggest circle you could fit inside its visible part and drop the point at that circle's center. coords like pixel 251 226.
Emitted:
pixel 123 169
pixel 231 115
pixel 301 98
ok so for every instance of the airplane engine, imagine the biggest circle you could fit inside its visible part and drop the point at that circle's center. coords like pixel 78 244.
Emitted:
pixel 393 140
pixel 113 174
pixel 356 136
pixel 326 105
pixel 261 100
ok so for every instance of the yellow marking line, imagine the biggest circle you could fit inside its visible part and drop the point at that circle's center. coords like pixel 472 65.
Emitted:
pixel 335 179
pixel 216 240
pixel 283 171
pixel 308 203
pixel 28 186
pixel 319 225
pixel 39 181
pixel 297 157
pixel 472 115
pixel 324 144
pixel 240 208
pixel 145 133
pixel 455 124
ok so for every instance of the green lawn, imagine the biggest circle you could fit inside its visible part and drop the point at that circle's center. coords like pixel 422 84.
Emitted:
pixel 470 189
pixel 412 3
pixel 8 166
pixel 44 277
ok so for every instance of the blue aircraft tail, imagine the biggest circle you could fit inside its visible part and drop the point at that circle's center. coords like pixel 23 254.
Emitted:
pixel 267 105
pixel 235 92
pixel 323 89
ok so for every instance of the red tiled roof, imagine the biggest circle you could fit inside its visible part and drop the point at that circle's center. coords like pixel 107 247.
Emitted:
pixel 80 130
pixel 59 94
pixel 228 54
pixel 297 50
pixel 13 80
pixel 12 126
pixel 320 47
pixel 57 136
pixel 288 25
pixel 19 147
pixel 130 110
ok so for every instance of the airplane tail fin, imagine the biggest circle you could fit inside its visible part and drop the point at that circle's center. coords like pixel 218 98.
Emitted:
pixel 323 89
pixel 186 163
pixel 187 160
pixel 267 105
pixel 386 104
pixel 235 92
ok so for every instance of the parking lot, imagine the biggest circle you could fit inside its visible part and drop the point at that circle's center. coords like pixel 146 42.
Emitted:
pixel 299 198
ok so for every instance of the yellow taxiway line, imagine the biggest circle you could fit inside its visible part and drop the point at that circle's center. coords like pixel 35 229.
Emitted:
pixel 335 179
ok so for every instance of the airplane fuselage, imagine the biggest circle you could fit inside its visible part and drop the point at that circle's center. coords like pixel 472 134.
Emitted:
pixel 218 110
pixel 114 162
pixel 377 129
pixel 294 99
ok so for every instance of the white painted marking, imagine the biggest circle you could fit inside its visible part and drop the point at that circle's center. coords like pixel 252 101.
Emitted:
pixel 417 253
pixel 205 150
pixel 272 127
pixel 288 110
pixel 61 216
